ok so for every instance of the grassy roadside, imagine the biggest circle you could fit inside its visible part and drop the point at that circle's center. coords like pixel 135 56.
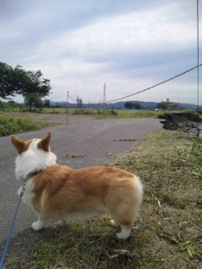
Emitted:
pixel 17 122
pixel 167 233
pixel 11 123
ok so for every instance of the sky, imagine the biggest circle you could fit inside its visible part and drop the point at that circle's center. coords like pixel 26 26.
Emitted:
pixel 128 44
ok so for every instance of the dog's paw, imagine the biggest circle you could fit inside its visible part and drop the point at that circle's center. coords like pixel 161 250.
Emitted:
pixel 121 236
pixel 124 234
pixel 36 226
pixel 113 223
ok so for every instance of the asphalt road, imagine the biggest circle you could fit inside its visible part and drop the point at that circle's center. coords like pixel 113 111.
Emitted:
pixel 81 143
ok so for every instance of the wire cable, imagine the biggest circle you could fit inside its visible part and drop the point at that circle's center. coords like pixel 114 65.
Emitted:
pixel 156 85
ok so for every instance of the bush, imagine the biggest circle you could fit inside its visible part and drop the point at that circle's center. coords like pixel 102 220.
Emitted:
pixel 112 112
pixel 10 125
pixel 192 115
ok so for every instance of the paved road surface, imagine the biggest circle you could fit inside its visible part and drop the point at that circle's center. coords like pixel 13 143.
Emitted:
pixel 97 142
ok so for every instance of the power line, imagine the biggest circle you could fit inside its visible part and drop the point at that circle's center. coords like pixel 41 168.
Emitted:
pixel 198 60
pixel 158 84
pixel 72 98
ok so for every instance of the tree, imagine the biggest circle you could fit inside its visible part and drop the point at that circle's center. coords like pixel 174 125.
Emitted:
pixel 12 80
pixel 79 103
pixel 137 106
pixel 29 84
pixel 128 105
pixel 163 105
pixel 36 88
pixel 33 100
pixel 6 85
pixel 46 103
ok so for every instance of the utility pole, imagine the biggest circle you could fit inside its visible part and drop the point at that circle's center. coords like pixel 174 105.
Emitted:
pixel 198 58
pixel 67 107
pixel 104 97
pixel 67 101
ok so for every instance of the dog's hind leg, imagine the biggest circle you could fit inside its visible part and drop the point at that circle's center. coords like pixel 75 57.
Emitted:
pixel 40 223
pixel 124 234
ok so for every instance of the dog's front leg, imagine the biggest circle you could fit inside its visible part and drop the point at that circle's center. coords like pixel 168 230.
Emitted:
pixel 40 223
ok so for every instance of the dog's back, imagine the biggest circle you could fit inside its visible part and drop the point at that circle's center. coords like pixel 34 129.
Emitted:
pixel 60 190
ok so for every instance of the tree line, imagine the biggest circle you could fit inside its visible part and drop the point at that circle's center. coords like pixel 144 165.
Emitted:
pixel 34 88
pixel 162 105
pixel 30 84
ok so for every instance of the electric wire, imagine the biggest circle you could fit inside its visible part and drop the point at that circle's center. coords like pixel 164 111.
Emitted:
pixel 198 59
pixel 198 130
pixel 155 85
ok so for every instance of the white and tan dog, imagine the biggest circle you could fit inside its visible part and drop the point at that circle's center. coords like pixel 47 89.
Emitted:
pixel 59 192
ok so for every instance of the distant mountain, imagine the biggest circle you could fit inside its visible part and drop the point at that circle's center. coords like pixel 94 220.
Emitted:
pixel 145 105
pixel 120 105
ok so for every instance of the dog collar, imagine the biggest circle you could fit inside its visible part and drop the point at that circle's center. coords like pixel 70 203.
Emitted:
pixel 28 177
pixel 31 174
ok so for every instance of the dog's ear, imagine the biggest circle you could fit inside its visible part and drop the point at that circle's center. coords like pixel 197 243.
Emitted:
pixel 44 143
pixel 19 144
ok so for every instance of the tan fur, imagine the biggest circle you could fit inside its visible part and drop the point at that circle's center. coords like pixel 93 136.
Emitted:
pixel 45 142
pixel 61 192
pixel 19 144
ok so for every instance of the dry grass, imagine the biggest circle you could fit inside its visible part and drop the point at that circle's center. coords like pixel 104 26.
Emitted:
pixel 172 211
pixel 167 233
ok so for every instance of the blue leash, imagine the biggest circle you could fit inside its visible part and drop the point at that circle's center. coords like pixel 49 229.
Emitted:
pixel 10 233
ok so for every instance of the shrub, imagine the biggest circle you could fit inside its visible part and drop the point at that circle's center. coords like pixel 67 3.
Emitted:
pixel 10 125
pixel 192 115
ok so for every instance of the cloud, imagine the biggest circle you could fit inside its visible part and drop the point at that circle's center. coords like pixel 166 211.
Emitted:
pixel 79 44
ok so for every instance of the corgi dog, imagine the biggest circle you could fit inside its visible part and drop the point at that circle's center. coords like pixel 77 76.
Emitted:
pixel 60 192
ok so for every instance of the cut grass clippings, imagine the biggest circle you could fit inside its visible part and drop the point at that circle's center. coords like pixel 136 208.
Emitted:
pixel 167 233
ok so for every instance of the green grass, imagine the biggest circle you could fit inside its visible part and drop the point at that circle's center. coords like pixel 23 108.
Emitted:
pixel 167 233
pixel 11 125
pixel 109 113
pixel 121 114
pixel 18 122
